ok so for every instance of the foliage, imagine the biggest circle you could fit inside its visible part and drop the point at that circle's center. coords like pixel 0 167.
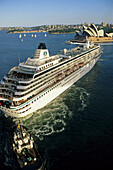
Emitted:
pixel 65 30
pixel 108 29
pixel 15 30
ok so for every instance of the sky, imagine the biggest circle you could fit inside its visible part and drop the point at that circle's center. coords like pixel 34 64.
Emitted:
pixel 26 13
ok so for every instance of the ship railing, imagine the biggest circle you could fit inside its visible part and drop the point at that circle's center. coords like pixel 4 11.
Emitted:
pixel 6 97
pixel 18 78
pixel 2 87
pixel 6 94
pixel 34 95
pixel 9 110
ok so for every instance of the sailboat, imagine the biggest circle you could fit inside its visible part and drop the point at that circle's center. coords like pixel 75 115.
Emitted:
pixel 45 35
pixel 35 36
pixel 32 35
pixel 20 36
pixel 24 35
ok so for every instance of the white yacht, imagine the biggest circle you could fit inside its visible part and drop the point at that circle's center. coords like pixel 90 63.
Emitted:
pixel 34 83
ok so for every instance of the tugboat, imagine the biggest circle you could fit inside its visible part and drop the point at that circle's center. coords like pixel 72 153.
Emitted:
pixel 24 147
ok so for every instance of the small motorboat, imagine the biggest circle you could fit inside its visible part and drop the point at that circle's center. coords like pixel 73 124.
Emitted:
pixel 25 148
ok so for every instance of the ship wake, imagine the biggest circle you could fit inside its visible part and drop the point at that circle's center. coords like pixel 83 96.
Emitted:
pixel 54 117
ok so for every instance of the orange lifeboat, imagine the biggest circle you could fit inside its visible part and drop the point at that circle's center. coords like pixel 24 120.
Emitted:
pixel 81 64
pixel 68 71
pixel 60 76
pixel 75 67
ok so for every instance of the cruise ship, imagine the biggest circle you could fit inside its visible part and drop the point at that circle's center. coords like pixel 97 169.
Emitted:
pixel 33 84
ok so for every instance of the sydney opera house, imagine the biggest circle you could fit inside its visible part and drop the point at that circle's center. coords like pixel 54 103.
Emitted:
pixel 93 34
pixel 90 31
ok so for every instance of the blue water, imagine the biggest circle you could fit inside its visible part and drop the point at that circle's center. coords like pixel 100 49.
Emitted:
pixel 75 131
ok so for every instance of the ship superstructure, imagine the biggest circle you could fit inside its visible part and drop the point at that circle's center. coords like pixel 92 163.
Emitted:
pixel 34 83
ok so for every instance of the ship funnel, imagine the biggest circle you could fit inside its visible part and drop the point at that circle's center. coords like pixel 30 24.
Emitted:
pixel 42 46
pixel 42 52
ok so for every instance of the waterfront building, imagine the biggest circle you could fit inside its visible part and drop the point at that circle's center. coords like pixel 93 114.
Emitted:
pixel 91 31
pixel 104 24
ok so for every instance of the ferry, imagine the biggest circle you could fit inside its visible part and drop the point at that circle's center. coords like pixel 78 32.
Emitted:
pixel 36 82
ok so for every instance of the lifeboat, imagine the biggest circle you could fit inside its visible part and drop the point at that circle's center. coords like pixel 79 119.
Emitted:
pixel 60 76
pixel 75 67
pixel 68 71
pixel 81 64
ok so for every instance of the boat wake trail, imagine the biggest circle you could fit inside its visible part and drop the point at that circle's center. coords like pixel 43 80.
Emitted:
pixel 77 99
pixel 54 117
pixel 84 100
pixel 49 120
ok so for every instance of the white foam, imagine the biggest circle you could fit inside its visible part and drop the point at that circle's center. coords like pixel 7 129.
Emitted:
pixel 53 118
pixel 84 100
pixel 49 120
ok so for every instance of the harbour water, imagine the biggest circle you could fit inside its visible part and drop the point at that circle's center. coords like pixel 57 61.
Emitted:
pixel 75 131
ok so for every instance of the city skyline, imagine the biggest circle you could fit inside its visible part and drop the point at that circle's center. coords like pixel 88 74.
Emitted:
pixel 33 13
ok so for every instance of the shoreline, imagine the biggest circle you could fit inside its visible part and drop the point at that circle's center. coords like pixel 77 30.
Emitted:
pixel 16 32
pixel 62 33
pixel 94 40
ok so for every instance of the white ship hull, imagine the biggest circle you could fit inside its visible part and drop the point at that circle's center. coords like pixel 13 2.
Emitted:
pixel 51 93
